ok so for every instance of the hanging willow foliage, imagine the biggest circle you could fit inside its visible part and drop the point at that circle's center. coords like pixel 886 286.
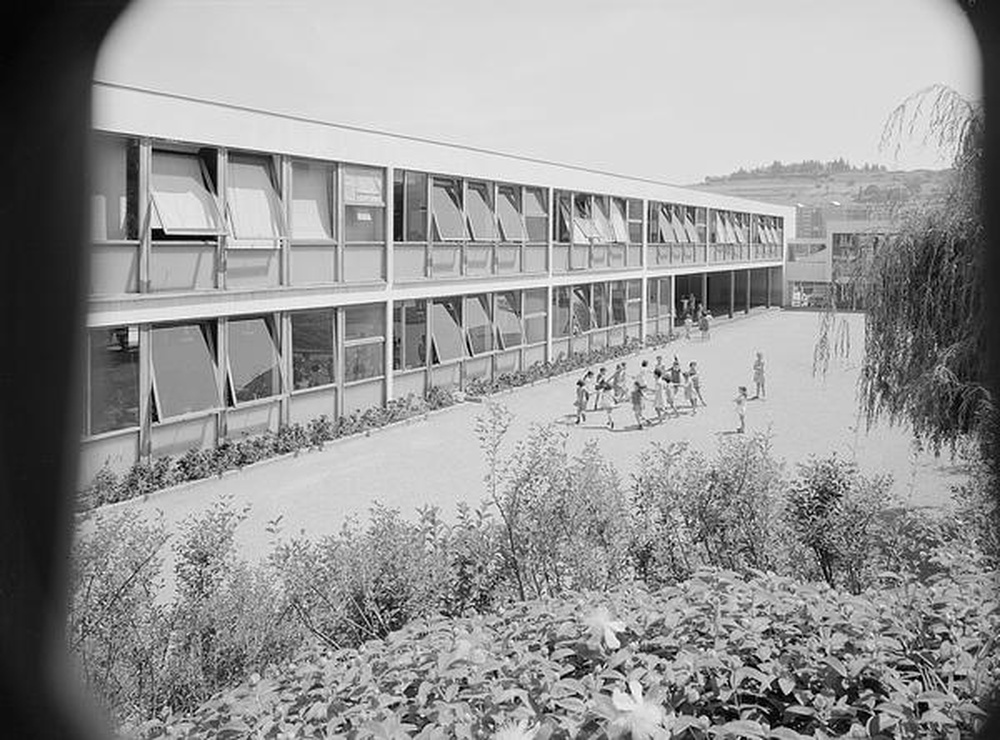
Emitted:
pixel 925 324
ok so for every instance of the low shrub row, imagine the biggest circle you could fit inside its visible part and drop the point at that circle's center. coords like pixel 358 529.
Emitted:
pixel 146 477
pixel 717 656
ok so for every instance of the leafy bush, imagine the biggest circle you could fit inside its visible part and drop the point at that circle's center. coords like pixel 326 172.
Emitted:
pixel 714 656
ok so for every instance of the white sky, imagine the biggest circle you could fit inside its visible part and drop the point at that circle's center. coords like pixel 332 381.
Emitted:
pixel 670 89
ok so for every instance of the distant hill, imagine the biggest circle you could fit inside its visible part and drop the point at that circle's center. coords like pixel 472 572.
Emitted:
pixel 815 183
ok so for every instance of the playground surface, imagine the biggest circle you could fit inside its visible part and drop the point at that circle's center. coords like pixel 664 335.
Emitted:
pixel 437 461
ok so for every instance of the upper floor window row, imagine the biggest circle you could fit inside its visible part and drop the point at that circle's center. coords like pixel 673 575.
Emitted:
pixel 584 218
pixel 186 198
pixel 456 209
pixel 673 223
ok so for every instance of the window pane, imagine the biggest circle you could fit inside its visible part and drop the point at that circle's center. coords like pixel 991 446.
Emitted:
pixel 561 311
pixel 446 329
pixel 114 379
pixel 534 329
pixel 536 215
pixel 481 221
pixel 651 300
pixel 182 202
pixel 312 348
pixel 508 318
pixel 563 218
pixel 511 225
pixel 666 226
pixel 114 177
pixel 364 322
pixel 364 224
pixel 618 302
pixel 602 221
pixel 682 235
pixel 534 301
pixel 602 307
pixel 634 288
pixel 618 224
pixel 398 207
pixel 584 231
pixel 184 369
pixel 363 361
pixel 311 201
pixel 665 302
pixel 478 323
pixel 363 186
pixel 583 315
pixel 416 207
pixel 446 210
pixel 253 359
pixel 252 204
pixel 410 334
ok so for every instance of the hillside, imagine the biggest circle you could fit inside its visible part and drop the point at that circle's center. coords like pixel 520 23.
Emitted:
pixel 880 188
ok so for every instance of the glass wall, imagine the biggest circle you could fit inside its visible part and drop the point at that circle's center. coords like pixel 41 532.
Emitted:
pixel 112 400
pixel 114 220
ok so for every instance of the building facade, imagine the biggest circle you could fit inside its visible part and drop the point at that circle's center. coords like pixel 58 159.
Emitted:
pixel 827 258
pixel 251 270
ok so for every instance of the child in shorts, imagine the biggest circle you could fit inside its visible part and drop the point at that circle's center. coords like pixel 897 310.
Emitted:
pixel 758 376
pixel 741 409
pixel 638 392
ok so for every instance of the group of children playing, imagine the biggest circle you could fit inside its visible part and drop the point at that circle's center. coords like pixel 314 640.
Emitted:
pixel 664 385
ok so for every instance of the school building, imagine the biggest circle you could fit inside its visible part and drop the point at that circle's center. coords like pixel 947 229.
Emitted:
pixel 251 269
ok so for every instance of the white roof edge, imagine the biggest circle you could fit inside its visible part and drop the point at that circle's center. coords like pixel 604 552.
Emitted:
pixel 125 109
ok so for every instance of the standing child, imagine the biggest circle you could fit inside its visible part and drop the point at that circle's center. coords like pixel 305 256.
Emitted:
pixel 696 381
pixel 618 382
pixel 659 393
pixel 689 393
pixel 601 386
pixel 758 376
pixel 582 395
pixel 687 325
pixel 741 409
pixel 703 326
pixel 637 395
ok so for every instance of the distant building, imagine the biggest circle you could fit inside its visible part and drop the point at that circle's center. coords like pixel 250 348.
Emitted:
pixel 827 256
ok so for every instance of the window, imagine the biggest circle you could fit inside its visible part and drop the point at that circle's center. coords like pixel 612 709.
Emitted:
pixel 667 234
pixel 635 221
pixel 633 300
pixel 583 314
pixel 619 226
pixel 509 210
pixel 618 302
pixel 682 226
pixel 479 324
pixel 115 194
pixel 584 230
pixel 654 236
pixel 652 300
pixel 563 218
pixel 409 334
pixel 364 205
pixel 410 206
pixel 313 202
pixel 183 202
pixel 313 341
pixel 602 305
pixel 114 379
pixel 536 215
pixel 664 303
pixel 535 315
pixel 184 369
pixel 700 218
pixel 561 321
pixel 446 210
pixel 602 222
pixel 253 359
pixel 508 319
pixel 364 338
pixel 446 330
pixel 479 205
pixel 252 204
pixel 737 223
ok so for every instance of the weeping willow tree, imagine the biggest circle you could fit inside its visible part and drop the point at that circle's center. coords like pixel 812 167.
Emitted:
pixel 926 327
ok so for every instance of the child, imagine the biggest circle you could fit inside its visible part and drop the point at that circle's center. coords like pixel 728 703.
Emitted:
pixel 689 393
pixel 696 381
pixel 618 382
pixel 659 365
pixel 659 394
pixel 703 325
pixel 758 375
pixel 741 409
pixel 637 396
pixel 687 325
pixel 675 373
pixel 601 386
pixel 582 396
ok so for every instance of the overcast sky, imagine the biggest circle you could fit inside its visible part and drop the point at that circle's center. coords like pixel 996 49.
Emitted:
pixel 670 89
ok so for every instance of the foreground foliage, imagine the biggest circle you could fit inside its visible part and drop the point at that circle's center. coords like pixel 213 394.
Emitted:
pixel 714 656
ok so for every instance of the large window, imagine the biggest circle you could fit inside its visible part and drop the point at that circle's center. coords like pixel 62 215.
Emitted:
pixel 584 230
pixel 446 330
pixel 184 369
pixel 698 217
pixel 409 334
pixel 253 359
pixel 602 220
pixel 618 298
pixel 446 210
pixel 583 313
pixel 410 211
pixel 561 317
pixel 253 207
pixel 602 304
pixel 619 220
pixel 509 211
pixel 313 342
pixel 482 223
pixel 114 380
pixel 508 319
pixel 536 214
pixel 364 205
pixel 115 189
pixel 535 315
pixel 635 221
pixel 479 323
pixel 633 300
pixel 364 340
pixel 313 201
pixel 182 194
pixel 563 217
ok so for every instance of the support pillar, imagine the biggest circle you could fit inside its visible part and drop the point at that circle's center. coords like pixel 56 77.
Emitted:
pixel 746 308
pixel 704 291
pixel 767 276
pixel 732 292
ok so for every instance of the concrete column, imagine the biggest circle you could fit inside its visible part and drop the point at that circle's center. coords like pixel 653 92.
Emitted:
pixel 704 290
pixel 746 308
pixel 767 276
pixel 732 292
pixel 390 330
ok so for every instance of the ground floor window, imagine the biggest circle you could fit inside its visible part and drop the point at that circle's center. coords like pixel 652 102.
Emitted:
pixel 313 342
pixel 185 372
pixel 364 341
pixel 409 320
pixel 446 330
pixel 113 387
pixel 254 360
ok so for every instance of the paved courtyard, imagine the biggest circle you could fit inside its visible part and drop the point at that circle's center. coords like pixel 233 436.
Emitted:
pixel 437 460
